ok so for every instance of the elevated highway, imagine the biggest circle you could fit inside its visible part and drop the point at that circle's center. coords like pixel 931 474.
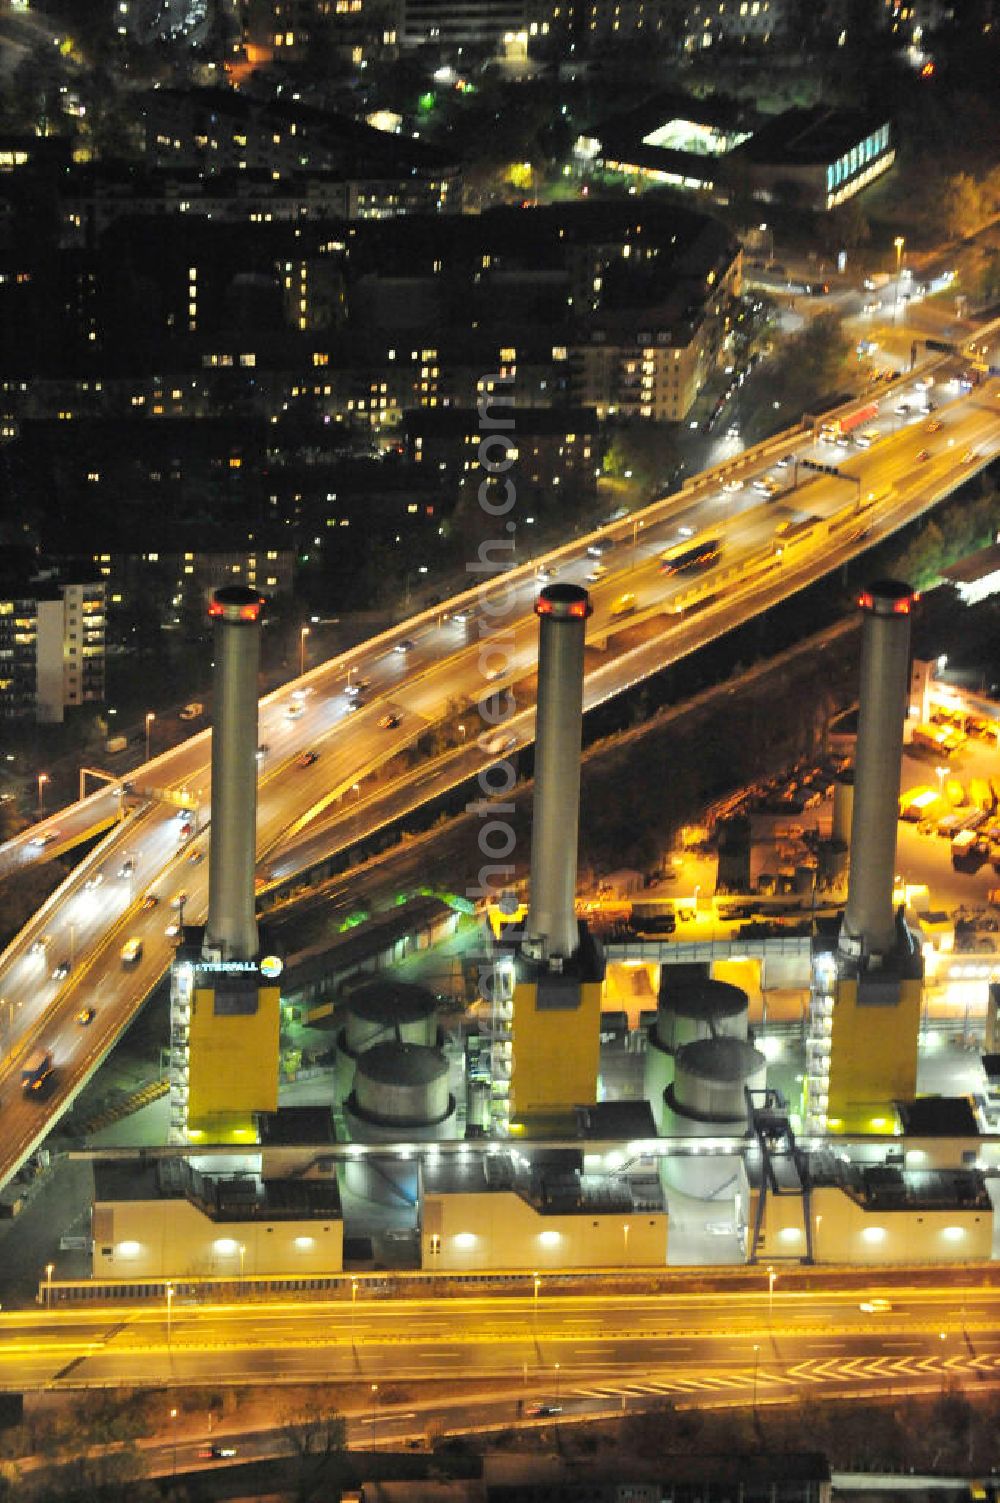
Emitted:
pixel 149 870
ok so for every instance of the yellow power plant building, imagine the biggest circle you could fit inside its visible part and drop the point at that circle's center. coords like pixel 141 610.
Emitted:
pixel 867 1058
pixel 233 1044
pixel 555 1042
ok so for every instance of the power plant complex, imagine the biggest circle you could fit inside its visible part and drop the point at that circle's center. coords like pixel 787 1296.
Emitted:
pixel 558 1170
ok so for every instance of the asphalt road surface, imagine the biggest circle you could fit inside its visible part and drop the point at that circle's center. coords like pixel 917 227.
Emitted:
pixel 692 1343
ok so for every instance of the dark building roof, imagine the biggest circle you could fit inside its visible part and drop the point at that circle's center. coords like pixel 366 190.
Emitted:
pixel 386 1000
pixel 814 137
pixel 539 237
pixel 347 952
pixel 711 1479
pixel 606 1121
pixel 244 1197
pixel 551 1180
pixel 717 111
pixel 938 1117
pixel 540 422
pixel 887 1188
pixel 296 1126
pixel 362 147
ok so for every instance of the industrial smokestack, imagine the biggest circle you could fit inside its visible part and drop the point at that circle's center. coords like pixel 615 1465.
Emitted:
pixel 231 931
pixel 552 927
pixel 868 929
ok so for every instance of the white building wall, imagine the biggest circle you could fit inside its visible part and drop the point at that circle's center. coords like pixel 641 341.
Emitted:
pixel 844 1232
pixel 49 662
pixel 155 1239
pixel 468 1232
pixel 83 643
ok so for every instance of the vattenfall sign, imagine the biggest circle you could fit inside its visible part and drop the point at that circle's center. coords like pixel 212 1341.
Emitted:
pixel 269 967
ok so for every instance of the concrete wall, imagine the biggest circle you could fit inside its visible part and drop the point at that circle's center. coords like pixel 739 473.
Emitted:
pixel 844 1232
pixel 49 660
pixel 174 1239
pixel 499 1230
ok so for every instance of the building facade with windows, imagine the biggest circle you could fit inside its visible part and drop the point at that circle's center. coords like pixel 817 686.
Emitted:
pixel 52 648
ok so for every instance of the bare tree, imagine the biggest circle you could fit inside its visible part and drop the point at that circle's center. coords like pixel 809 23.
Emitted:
pixel 317 1438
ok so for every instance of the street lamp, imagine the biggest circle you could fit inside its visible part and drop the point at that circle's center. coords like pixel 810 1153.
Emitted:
pixel 941 773
pixel 242 1256
pixel 899 242
pixel 354 1300
pixel 420 569
pixel 304 632
pixel 43 778
pixel 461 731
pixel 49 1270
pixel 173 1427
pixel 374 1402
pixel 538 1285
pixel 771 1276
pixel 636 525
pixel 170 1294
pixel 150 717
pixel 557 1384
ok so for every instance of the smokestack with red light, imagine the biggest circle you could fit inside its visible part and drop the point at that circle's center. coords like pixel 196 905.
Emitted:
pixel 231 930
pixel 868 930
pixel 552 931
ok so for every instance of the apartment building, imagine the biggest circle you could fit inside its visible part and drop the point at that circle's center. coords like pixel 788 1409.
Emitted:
pixel 52 648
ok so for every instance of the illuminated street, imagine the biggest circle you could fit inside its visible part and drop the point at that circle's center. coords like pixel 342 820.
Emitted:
pixel 692 1343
